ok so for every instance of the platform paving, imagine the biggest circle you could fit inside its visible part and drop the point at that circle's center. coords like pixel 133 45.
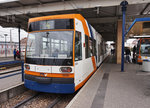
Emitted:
pixel 110 88
pixel 7 59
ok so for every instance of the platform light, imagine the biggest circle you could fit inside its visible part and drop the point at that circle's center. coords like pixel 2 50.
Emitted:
pixel 5 1
pixel 141 36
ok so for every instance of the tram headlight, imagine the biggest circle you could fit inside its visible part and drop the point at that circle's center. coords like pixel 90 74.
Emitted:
pixel 65 69
pixel 27 67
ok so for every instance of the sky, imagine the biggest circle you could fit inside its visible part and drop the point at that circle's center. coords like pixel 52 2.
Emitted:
pixel 14 34
pixel 4 1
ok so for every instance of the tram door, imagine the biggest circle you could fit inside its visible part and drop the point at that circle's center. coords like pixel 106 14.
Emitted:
pixel 78 52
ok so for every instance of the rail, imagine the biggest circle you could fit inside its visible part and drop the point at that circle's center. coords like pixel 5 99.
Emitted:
pixel 26 100
pixel 13 62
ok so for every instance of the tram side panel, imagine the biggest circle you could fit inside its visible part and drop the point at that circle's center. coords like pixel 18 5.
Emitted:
pixel 78 65
pixel 98 39
pixel 84 67
pixel 98 45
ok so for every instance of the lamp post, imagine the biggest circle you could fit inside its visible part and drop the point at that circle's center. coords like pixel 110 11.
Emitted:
pixel 11 35
pixel 5 45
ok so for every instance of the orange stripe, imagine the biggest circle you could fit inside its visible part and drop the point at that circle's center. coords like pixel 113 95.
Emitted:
pixel 84 81
pixel 74 45
pixel 140 61
pixel 64 16
pixel 94 63
pixel 82 19
pixel 65 75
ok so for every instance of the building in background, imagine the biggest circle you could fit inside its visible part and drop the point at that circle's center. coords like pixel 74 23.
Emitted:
pixel 23 45
pixel 8 51
pixel 10 46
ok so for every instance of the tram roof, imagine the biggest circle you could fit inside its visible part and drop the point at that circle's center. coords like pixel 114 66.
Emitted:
pixel 64 16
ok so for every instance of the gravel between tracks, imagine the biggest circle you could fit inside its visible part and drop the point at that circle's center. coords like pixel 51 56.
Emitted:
pixel 13 101
pixel 40 101
pixel 43 100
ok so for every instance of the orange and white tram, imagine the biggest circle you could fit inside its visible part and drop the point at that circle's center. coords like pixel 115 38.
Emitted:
pixel 62 52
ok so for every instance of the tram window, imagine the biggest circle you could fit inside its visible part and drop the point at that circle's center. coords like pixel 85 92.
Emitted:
pixel 64 24
pixel 101 48
pixel 78 46
pixel 94 47
pixel 90 47
pixel 51 24
pixel 54 44
pixel 99 52
pixel 45 25
pixel 145 47
pixel 86 47
pixel 34 26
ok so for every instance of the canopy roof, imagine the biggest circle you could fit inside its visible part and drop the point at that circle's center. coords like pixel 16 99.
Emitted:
pixel 139 27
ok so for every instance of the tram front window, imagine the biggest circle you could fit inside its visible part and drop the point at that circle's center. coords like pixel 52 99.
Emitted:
pixel 51 48
pixel 145 47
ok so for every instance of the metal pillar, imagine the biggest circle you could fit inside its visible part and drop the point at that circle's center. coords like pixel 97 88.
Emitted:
pixel 5 46
pixel 124 6
pixel 19 40
pixel 22 67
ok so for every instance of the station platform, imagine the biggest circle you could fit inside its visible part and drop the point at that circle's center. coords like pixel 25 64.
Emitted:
pixel 7 59
pixel 4 59
pixel 111 88
pixel 10 74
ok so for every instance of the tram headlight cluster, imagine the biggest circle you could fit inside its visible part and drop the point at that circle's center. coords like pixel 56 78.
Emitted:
pixel 65 69
pixel 27 67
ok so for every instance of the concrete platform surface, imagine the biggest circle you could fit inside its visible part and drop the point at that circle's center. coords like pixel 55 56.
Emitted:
pixel 10 78
pixel 5 59
pixel 110 88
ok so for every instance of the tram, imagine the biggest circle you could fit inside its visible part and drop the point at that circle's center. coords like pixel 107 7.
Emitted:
pixel 62 52
pixel 143 50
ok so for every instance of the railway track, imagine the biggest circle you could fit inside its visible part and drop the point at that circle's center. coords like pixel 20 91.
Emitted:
pixel 8 66
pixel 51 102
pixel 26 100
pixel 58 99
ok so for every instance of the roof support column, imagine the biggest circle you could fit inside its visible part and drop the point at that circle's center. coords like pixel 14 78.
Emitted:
pixel 123 4
pixel 119 42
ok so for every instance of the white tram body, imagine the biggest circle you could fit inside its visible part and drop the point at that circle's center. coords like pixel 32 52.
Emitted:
pixel 62 52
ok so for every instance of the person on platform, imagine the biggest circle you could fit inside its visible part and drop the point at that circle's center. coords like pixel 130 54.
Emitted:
pixel 128 54
pixel 134 54
pixel 18 54
pixel 14 54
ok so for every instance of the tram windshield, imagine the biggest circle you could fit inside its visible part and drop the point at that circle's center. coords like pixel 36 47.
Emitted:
pixel 145 47
pixel 44 46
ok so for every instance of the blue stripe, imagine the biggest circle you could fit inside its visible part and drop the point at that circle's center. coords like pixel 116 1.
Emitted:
pixel 10 62
pixel 10 75
pixel 50 88
pixel 91 32
pixel 146 60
